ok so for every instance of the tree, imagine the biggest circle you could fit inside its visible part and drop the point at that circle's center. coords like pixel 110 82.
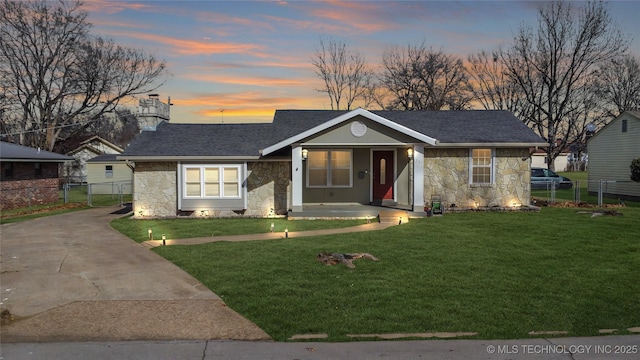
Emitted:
pixel 619 84
pixel 490 85
pixel 345 74
pixel 54 74
pixel 419 78
pixel 554 66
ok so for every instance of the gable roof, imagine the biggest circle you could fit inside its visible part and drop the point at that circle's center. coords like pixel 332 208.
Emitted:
pixel 19 153
pixel 633 115
pixel 251 141
pixel 87 144
pixel 342 117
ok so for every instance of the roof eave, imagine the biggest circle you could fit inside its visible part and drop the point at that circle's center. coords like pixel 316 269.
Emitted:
pixel 492 144
pixel 35 160
pixel 184 158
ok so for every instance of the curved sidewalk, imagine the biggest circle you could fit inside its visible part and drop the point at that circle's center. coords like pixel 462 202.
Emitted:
pixel 270 235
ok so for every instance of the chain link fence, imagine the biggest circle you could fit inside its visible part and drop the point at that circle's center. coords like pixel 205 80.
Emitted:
pixel 105 193
pixel 599 192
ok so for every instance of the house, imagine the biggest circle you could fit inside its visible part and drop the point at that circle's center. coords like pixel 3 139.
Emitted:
pixel 611 151
pixel 82 150
pixel 29 176
pixel 313 157
pixel 107 175
pixel 563 162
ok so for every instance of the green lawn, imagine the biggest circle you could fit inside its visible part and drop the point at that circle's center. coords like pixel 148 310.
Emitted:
pixel 498 274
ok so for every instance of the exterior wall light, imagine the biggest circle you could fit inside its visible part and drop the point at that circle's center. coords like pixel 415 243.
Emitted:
pixel 410 153
pixel 305 154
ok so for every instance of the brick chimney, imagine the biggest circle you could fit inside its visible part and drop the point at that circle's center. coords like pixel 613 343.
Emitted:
pixel 152 111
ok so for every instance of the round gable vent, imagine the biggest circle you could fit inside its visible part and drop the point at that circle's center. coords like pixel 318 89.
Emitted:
pixel 358 128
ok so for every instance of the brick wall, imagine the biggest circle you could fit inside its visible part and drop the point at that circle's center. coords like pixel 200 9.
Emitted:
pixel 23 193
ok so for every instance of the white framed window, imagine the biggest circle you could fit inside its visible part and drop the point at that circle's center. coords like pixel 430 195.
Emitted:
pixel 212 181
pixel 329 168
pixel 108 171
pixel 481 163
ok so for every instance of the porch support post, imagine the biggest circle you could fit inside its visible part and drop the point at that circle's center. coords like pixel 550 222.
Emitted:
pixel 418 177
pixel 296 178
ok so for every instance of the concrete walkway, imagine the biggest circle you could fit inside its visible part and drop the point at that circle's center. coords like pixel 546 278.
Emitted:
pixel 584 348
pixel 270 235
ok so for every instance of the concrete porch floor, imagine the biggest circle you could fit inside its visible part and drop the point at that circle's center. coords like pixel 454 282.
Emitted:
pixel 355 211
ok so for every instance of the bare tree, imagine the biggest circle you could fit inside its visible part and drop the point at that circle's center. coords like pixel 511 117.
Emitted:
pixel 491 86
pixel 419 78
pixel 554 65
pixel 345 74
pixel 618 81
pixel 55 74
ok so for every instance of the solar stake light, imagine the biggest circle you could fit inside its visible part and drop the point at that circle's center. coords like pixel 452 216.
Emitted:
pixel 273 227
pixel 164 239
pixel 150 234
pixel 286 233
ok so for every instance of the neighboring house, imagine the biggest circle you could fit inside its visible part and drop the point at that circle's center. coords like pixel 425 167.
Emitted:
pixel 29 176
pixel 307 157
pixel 82 151
pixel 611 151
pixel 539 159
pixel 107 175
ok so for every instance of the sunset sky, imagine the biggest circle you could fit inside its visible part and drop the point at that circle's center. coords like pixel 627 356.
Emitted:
pixel 250 58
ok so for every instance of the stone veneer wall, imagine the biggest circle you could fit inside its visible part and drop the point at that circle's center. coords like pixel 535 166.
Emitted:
pixel 155 189
pixel 268 188
pixel 446 173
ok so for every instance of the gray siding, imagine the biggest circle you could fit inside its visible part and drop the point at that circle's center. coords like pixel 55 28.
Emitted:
pixel 610 154
pixel 359 193
pixel 375 134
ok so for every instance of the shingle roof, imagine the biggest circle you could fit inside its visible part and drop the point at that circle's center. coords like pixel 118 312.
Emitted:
pixel 15 152
pixel 448 127
pixel 201 140
pixel 467 126
pixel 104 157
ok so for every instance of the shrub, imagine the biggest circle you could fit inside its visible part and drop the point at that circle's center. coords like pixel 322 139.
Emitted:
pixel 635 170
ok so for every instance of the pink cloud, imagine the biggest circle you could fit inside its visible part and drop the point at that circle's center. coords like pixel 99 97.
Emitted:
pixel 260 81
pixel 113 7
pixel 195 47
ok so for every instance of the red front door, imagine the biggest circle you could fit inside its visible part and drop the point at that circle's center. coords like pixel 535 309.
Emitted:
pixel 382 175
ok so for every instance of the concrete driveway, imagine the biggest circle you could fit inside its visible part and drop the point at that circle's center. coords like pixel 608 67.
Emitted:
pixel 71 277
